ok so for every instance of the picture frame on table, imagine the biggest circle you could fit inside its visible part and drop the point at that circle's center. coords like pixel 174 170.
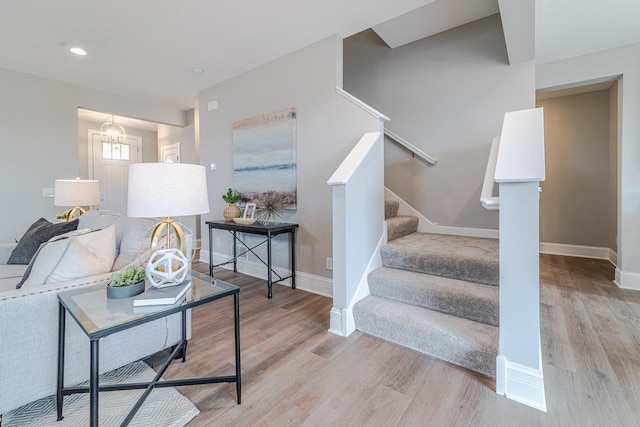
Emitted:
pixel 249 210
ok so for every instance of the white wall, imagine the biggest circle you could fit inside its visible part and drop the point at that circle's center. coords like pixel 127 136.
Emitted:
pixel 446 94
pixel 328 126
pixel 606 64
pixel 186 136
pixel 39 139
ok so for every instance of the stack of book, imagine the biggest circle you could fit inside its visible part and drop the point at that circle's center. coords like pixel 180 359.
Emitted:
pixel 163 296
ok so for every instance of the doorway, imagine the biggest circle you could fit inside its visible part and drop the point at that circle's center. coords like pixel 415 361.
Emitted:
pixel 109 164
pixel 579 201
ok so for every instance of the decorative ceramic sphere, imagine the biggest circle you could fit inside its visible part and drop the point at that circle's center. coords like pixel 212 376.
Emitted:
pixel 167 267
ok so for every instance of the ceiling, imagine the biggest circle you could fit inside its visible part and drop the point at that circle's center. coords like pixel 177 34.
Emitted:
pixel 147 49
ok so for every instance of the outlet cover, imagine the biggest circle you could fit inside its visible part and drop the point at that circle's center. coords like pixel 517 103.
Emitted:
pixel 329 263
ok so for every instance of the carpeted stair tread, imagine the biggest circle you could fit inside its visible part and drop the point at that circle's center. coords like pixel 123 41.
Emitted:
pixel 469 300
pixel 399 226
pixel 391 208
pixel 464 258
pixel 460 341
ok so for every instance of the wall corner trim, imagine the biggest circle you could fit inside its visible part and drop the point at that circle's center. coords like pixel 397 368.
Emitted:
pixel 338 322
pixel 520 383
pixel 627 280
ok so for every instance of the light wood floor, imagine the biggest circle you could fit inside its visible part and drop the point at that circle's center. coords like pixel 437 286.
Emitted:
pixel 296 373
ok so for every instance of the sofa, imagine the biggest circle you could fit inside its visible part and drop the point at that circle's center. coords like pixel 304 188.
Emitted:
pixel 29 315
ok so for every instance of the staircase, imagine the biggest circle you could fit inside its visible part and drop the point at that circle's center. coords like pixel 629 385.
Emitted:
pixel 436 294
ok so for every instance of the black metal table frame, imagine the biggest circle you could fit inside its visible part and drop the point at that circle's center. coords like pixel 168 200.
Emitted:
pixel 94 386
pixel 263 230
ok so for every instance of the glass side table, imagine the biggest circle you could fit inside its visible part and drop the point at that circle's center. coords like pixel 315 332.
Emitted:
pixel 99 317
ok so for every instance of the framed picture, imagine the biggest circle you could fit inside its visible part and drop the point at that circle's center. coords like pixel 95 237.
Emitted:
pixel 249 210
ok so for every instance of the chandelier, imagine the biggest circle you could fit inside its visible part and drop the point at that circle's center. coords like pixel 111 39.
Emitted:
pixel 112 132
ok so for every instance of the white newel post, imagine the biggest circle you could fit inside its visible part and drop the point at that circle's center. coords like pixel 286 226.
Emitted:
pixel 358 227
pixel 519 170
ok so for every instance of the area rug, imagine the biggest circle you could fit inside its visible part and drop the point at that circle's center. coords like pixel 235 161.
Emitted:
pixel 163 407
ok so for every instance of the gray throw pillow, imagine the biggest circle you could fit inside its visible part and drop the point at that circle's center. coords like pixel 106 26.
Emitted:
pixel 38 233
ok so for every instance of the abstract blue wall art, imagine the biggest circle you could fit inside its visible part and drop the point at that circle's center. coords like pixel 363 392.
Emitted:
pixel 264 157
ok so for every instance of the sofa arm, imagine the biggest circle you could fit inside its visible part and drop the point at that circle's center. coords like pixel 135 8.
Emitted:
pixel 5 252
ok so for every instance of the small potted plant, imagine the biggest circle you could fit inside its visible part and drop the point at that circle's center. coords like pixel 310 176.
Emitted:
pixel 231 211
pixel 126 283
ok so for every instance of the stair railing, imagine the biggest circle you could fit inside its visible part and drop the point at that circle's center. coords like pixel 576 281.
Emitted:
pixel 415 151
pixel 488 200
pixel 358 227
pixel 519 170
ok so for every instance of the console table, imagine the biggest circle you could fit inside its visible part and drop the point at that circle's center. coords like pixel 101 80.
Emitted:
pixel 268 230
pixel 99 318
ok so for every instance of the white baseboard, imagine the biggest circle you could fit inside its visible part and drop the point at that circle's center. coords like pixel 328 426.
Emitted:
pixel 520 383
pixel 341 320
pixel 574 250
pixel 627 280
pixel 304 281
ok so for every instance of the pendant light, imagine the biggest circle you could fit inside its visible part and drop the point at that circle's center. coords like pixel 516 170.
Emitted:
pixel 112 132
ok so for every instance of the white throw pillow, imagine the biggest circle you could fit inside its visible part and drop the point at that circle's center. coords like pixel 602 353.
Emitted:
pixel 79 256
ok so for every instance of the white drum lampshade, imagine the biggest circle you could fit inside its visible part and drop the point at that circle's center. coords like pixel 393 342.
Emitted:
pixel 167 190
pixel 76 193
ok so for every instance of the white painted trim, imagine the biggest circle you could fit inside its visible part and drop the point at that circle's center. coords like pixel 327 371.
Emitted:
pixel 521 154
pixel 409 146
pixel 304 281
pixel 501 375
pixel 487 199
pixel 342 321
pixel 350 164
pixel 366 107
pixel 613 257
pixel 520 383
pixel 627 280
pixel 426 226
pixel 575 250
pixel 337 320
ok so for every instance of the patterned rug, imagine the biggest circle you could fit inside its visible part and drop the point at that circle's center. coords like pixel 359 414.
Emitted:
pixel 163 407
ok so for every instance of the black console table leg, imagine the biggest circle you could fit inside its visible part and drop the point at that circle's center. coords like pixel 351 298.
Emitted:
pixel 210 251
pixel 293 258
pixel 235 254
pixel 269 278
pixel 236 306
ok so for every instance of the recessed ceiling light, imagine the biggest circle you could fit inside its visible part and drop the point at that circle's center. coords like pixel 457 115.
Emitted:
pixel 197 71
pixel 78 51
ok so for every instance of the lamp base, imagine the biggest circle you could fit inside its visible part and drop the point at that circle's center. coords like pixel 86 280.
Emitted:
pixel 169 223
pixel 167 267
pixel 77 210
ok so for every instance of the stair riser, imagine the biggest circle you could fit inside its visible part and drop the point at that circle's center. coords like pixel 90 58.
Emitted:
pixel 483 309
pixel 471 270
pixel 431 339
pixel 401 226
pixel 391 208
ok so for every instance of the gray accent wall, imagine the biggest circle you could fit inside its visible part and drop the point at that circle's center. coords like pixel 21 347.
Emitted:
pixel 446 94
pixel 580 189
pixel 328 127
pixel 39 141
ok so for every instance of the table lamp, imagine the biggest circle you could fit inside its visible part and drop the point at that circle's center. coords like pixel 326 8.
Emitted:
pixel 167 190
pixel 77 193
